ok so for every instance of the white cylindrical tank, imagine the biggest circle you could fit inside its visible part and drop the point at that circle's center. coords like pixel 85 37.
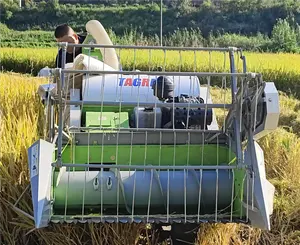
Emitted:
pixel 137 88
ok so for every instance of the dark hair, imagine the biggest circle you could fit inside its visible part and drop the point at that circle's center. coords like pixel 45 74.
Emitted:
pixel 62 30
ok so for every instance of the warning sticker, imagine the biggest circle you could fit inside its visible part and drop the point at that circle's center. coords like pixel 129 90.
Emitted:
pixel 34 161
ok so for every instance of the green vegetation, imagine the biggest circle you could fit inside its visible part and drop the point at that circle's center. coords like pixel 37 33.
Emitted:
pixel 232 16
pixel 255 25
pixel 284 38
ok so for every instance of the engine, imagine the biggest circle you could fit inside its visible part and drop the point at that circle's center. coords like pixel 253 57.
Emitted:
pixel 165 117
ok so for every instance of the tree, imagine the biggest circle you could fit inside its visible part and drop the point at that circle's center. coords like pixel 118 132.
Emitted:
pixel 284 37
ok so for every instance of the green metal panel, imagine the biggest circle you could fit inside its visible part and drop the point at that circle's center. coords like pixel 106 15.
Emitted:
pixel 107 119
pixel 149 155
pixel 93 119
pixel 116 109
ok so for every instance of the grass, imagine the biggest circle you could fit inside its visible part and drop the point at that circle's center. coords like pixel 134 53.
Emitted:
pixel 22 123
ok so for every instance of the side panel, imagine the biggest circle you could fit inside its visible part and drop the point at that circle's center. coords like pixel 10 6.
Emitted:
pixel 271 114
pixel 40 159
pixel 260 203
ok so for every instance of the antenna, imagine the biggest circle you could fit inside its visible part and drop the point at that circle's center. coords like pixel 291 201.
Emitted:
pixel 161 5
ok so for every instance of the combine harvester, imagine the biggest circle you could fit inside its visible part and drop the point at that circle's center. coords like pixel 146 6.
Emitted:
pixel 142 146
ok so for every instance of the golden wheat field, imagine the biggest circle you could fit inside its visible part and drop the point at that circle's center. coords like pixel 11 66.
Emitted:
pixel 261 62
pixel 22 123
pixel 283 69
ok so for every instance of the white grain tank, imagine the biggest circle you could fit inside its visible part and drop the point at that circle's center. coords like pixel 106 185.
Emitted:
pixel 133 88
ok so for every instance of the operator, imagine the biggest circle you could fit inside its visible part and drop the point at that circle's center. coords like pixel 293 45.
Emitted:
pixel 64 33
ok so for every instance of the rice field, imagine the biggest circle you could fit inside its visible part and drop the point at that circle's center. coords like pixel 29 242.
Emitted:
pixel 22 123
pixel 283 69
pixel 21 117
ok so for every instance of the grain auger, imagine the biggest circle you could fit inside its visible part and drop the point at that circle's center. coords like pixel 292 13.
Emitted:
pixel 156 145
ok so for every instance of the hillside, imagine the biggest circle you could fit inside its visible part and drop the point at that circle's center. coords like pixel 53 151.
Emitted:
pixel 247 17
pixel 253 24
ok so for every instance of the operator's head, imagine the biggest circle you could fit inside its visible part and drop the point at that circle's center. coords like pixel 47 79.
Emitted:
pixel 64 33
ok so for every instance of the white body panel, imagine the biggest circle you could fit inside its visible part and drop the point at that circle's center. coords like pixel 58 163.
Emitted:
pixel 45 72
pixel 75 111
pixel 40 158
pixel 85 62
pixel 272 112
